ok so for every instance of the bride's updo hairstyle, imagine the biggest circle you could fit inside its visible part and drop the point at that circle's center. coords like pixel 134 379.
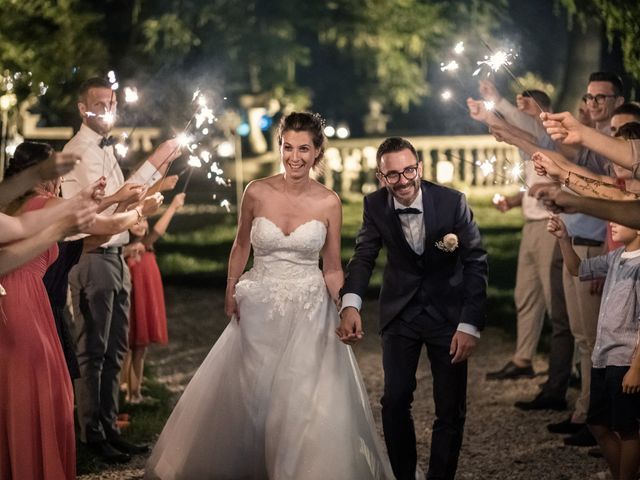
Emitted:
pixel 305 122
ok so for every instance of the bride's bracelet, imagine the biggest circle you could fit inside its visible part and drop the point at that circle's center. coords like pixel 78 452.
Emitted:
pixel 232 278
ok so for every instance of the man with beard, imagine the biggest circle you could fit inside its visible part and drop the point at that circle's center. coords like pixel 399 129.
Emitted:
pixel 433 294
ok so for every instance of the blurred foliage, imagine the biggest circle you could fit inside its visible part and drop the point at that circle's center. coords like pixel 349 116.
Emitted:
pixel 531 81
pixel 272 49
pixel 621 19
pixel 51 42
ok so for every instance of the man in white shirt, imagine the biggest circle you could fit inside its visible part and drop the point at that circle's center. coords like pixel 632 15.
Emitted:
pixel 433 294
pixel 100 282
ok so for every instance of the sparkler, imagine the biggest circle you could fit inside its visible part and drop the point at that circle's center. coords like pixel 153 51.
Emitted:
pixel 459 48
pixel 495 61
pixel 451 66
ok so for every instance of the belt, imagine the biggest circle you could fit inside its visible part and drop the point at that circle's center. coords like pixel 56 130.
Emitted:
pixel 107 250
pixel 585 242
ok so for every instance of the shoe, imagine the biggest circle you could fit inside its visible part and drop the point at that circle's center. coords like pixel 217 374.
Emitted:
pixel 582 438
pixel 108 454
pixel 511 372
pixel 127 447
pixel 565 426
pixel 595 452
pixel 543 402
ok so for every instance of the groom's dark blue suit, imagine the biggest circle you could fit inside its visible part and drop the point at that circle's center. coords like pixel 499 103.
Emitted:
pixel 422 300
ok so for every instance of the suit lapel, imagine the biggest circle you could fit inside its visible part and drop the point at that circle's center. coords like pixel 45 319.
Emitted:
pixel 428 215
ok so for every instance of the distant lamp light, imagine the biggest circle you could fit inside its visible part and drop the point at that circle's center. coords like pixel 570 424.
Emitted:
pixel 225 149
pixel 265 123
pixel 342 131
pixel 444 172
pixel 329 131
pixel 243 129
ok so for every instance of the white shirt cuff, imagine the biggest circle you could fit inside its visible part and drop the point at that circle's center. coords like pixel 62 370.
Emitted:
pixel 147 174
pixel 468 328
pixel 351 300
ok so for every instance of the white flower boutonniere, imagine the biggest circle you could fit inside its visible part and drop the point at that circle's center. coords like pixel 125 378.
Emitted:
pixel 448 243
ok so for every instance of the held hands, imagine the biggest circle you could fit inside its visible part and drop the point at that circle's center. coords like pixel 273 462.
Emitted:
pixel 57 165
pixel 631 381
pixel 462 346
pixel 350 329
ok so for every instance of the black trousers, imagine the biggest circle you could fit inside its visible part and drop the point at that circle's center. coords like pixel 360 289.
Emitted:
pixel 402 344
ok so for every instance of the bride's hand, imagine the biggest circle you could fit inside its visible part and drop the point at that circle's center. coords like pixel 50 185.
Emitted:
pixel 230 304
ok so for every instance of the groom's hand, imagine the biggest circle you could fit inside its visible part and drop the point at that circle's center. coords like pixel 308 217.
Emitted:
pixel 462 346
pixel 350 329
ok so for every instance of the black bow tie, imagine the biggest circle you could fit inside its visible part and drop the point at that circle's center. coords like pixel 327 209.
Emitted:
pixel 107 141
pixel 403 211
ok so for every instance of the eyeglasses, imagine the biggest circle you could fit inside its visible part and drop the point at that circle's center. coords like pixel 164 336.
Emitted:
pixel 599 98
pixel 394 177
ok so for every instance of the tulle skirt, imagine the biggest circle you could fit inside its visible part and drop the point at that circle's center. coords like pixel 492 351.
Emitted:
pixel 278 397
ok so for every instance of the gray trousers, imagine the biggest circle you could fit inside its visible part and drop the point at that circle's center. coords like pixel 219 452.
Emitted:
pixel 100 286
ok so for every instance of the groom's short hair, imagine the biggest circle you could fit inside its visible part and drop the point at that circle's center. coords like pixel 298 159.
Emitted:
pixel 394 144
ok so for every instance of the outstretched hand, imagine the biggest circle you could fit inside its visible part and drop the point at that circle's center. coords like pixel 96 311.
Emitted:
pixel 552 197
pixel 350 329
pixel 563 127
pixel 462 346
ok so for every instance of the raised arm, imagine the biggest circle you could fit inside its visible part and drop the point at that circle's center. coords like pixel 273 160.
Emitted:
pixel 160 227
pixel 241 247
pixel 54 167
pixel 331 263
pixel 566 128
pixel 19 253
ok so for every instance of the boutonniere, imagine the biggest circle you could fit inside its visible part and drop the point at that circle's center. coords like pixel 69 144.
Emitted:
pixel 448 243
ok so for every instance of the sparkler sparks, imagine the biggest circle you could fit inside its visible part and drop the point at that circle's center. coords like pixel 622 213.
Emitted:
pixel 489 105
pixel 451 66
pixel 487 166
pixel 446 95
pixel 495 61
pixel 459 48
pixel 130 94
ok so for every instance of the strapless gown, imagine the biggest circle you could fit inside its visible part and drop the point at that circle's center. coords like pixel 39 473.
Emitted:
pixel 278 396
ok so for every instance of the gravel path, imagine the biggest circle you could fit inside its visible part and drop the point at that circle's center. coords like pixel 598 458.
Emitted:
pixel 501 442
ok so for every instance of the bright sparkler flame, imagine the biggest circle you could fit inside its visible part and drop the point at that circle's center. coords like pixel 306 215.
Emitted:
pixel 121 149
pixel 205 113
pixel 194 161
pixel 184 139
pixel 516 171
pixel 495 61
pixel 452 66
pixel 459 48
pixel 487 166
pixel 497 199
pixel 446 95
pixel 489 105
pixel 205 155
pixel 196 94
pixel 108 117
pixel 130 94
pixel 202 101
pixel 226 204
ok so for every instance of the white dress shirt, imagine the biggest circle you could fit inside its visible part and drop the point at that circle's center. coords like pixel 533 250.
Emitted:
pixel 97 162
pixel 414 231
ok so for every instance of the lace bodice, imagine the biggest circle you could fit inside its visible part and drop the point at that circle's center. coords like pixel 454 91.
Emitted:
pixel 285 267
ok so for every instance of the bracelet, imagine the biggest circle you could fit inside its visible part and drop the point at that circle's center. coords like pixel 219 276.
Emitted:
pixel 232 278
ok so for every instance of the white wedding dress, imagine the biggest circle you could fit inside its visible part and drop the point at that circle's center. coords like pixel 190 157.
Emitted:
pixel 278 396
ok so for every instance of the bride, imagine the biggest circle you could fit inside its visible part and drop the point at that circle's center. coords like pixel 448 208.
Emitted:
pixel 278 397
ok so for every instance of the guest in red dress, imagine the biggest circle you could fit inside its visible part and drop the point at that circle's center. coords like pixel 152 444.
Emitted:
pixel 147 317
pixel 37 439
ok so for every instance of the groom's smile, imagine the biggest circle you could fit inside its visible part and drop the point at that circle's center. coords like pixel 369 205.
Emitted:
pixel 400 173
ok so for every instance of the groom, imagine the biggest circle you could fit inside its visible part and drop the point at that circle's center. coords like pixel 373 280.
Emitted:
pixel 433 294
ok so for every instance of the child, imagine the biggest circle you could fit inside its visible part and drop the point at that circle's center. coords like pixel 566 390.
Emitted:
pixel 147 319
pixel 615 377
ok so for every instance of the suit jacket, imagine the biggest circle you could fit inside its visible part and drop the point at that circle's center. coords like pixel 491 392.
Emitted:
pixel 453 283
